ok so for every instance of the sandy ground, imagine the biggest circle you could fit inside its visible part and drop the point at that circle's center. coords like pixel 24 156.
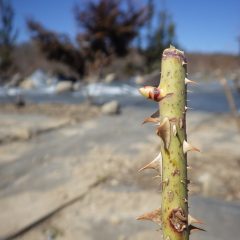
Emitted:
pixel 78 179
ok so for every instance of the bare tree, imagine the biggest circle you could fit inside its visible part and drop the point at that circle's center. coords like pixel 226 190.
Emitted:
pixel 7 37
pixel 108 27
pixel 57 47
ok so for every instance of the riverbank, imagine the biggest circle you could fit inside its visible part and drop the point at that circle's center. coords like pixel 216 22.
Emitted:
pixel 80 180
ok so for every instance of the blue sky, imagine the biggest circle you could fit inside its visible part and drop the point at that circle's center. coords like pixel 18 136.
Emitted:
pixel 201 25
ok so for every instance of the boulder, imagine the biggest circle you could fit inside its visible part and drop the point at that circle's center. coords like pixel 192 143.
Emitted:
pixel 37 79
pixel 139 79
pixel 111 77
pixel 27 84
pixel 64 86
pixel 111 108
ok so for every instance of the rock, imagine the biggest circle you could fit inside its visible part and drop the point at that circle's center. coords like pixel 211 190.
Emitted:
pixel 139 79
pixel 111 108
pixel 64 86
pixel 111 77
pixel 37 79
pixel 27 84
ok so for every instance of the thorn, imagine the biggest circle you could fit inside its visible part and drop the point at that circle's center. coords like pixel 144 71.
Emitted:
pixel 163 131
pixel 151 119
pixel 189 81
pixel 189 91
pixel 192 220
pixel 194 229
pixel 174 130
pixel 185 200
pixel 189 167
pixel 154 216
pixel 188 147
pixel 154 93
pixel 184 63
pixel 155 114
pixel 155 164
pixel 188 108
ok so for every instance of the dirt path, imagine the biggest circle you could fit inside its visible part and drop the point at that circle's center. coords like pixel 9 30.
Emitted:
pixel 51 169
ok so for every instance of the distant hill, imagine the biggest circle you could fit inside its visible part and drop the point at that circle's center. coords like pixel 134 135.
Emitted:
pixel 208 64
pixel 203 66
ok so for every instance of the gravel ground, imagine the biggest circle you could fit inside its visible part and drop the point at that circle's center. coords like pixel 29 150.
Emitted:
pixel 90 168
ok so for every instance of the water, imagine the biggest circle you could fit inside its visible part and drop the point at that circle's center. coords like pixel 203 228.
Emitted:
pixel 208 97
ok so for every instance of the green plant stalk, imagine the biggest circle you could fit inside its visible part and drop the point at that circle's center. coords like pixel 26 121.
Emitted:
pixel 174 209
pixel 171 163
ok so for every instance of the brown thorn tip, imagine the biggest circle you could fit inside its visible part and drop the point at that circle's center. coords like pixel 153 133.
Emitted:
pixel 151 119
pixel 154 216
pixel 164 132
pixel 189 81
pixel 155 114
pixel 155 164
pixel 194 229
pixel 188 147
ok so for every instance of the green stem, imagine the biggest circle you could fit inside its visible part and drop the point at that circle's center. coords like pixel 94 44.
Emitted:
pixel 171 163
pixel 174 169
